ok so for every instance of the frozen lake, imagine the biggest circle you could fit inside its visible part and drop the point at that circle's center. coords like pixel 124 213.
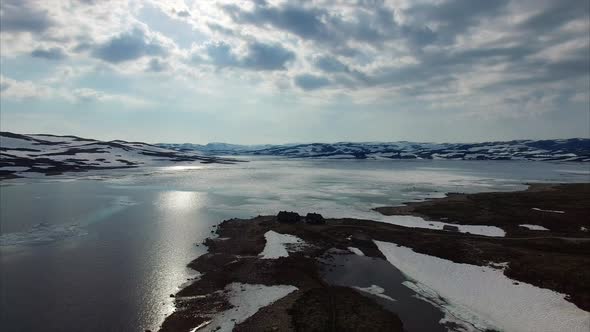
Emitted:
pixel 102 251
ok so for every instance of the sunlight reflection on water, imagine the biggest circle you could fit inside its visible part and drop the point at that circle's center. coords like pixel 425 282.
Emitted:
pixel 178 215
pixel 179 200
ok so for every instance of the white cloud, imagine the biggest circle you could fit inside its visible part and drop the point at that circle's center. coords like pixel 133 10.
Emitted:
pixel 11 89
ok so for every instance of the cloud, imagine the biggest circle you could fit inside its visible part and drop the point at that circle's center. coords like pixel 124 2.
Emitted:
pixel 221 55
pixel 557 14
pixel 259 56
pixel 128 46
pixel 310 82
pixel 156 65
pixel 54 53
pixel 28 90
pixel 330 65
pixel 221 29
pixel 19 90
pixel 454 17
pixel 318 24
pixel 23 16
pixel 440 41
pixel 183 13
pixel 86 95
pixel 262 56
pixel 305 23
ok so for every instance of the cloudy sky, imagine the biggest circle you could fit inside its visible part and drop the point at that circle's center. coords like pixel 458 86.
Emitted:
pixel 296 71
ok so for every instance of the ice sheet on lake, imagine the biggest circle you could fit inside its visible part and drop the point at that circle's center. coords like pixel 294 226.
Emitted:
pixel 41 234
pixel 484 296
pixel 247 299
pixel 375 290
pixel 44 233
pixel 534 227
pixel 279 245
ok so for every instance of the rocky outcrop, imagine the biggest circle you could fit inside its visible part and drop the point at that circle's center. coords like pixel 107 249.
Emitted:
pixel 315 219
pixel 288 217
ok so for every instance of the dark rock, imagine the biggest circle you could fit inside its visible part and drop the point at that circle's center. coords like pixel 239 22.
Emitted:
pixel 341 309
pixel 288 217
pixel 314 218
pixel 450 228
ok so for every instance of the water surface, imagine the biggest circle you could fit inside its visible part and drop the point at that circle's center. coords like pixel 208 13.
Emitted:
pixel 351 270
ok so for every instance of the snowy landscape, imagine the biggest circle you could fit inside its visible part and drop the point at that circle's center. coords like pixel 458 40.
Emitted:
pixel 336 186
pixel 24 155
pixel 295 166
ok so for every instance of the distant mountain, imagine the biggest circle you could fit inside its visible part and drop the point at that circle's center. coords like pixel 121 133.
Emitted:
pixel 575 149
pixel 51 154
pixel 214 148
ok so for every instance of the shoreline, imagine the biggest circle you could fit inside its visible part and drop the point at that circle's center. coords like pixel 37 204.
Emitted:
pixel 547 259
pixel 562 208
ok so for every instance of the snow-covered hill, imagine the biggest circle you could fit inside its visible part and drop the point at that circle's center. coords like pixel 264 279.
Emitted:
pixel 49 154
pixel 575 149
pixel 215 148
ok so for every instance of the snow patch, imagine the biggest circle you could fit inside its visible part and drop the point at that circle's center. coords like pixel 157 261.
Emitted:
pixel 356 251
pixel 534 227
pixel 499 266
pixel 417 222
pixel 279 245
pixel 484 296
pixel 552 211
pixel 375 290
pixel 246 300
pixel 459 317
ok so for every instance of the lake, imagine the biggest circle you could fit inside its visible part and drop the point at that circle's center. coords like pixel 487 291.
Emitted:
pixel 102 251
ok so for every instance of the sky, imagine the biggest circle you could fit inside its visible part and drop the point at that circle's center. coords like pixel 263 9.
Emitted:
pixel 250 72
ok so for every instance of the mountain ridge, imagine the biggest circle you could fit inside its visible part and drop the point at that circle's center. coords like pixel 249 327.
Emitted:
pixel 48 154
pixel 571 149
